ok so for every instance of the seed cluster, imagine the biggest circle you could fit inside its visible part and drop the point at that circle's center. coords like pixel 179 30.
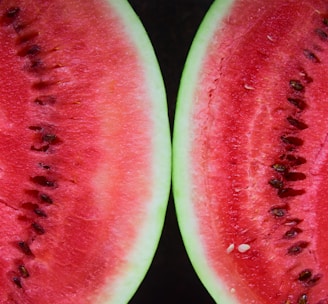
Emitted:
pixel 286 170
pixel 44 138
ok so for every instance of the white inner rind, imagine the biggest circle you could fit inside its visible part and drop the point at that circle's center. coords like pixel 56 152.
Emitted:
pixel 139 259
pixel 182 162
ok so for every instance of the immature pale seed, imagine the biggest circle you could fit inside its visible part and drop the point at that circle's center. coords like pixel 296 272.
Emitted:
pixel 23 271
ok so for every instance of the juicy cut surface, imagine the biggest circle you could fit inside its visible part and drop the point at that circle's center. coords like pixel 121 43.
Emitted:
pixel 259 151
pixel 74 153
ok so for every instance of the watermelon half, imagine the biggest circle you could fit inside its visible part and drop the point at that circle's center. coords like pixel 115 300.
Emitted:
pixel 250 152
pixel 84 152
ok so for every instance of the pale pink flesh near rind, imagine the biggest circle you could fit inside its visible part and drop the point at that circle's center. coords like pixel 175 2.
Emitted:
pixel 76 151
pixel 246 119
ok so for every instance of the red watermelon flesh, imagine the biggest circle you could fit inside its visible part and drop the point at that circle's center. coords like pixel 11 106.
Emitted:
pixel 252 206
pixel 79 104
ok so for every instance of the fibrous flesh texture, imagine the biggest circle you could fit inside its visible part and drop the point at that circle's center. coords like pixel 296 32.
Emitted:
pixel 256 153
pixel 80 209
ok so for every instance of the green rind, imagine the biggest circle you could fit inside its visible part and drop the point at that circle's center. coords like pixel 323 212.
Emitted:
pixel 139 260
pixel 182 163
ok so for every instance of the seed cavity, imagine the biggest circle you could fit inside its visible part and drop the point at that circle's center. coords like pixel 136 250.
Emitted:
pixel 297 248
pixel 296 160
pixel 40 148
pixel 296 85
pixel 292 140
pixel 26 37
pixel 290 192
pixel 42 181
pixel 297 123
pixel 295 176
pixel 42 85
pixel 292 222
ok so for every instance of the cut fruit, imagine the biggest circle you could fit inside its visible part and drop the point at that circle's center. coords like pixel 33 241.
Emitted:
pixel 250 152
pixel 84 152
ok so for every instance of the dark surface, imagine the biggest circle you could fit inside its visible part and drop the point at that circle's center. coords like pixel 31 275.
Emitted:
pixel 171 26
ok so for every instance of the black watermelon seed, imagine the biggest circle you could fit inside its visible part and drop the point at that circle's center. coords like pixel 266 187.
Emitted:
pixel 297 248
pixel 23 271
pixel 305 275
pixel 310 55
pixel 279 211
pixel 297 123
pixel 35 66
pixel 292 233
pixel 40 212
pixel 50 138
pixel 46 198
pixel 276 183
pixel 32 50
pixel 298 103
pixel 296 85
pixel 17 282
pixel 281 168
pixel 25 248
pixel 38 228
pixel 321 34
pixel 12 12
pixel 325 21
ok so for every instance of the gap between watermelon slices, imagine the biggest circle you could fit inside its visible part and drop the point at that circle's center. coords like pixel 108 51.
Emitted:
pixel 85 152
pixel 249 176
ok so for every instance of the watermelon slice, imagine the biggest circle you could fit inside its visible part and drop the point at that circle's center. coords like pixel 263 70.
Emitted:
pixel 250 152
pixel 84 152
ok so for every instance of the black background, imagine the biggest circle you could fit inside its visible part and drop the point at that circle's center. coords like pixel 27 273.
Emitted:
pixel 171 26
